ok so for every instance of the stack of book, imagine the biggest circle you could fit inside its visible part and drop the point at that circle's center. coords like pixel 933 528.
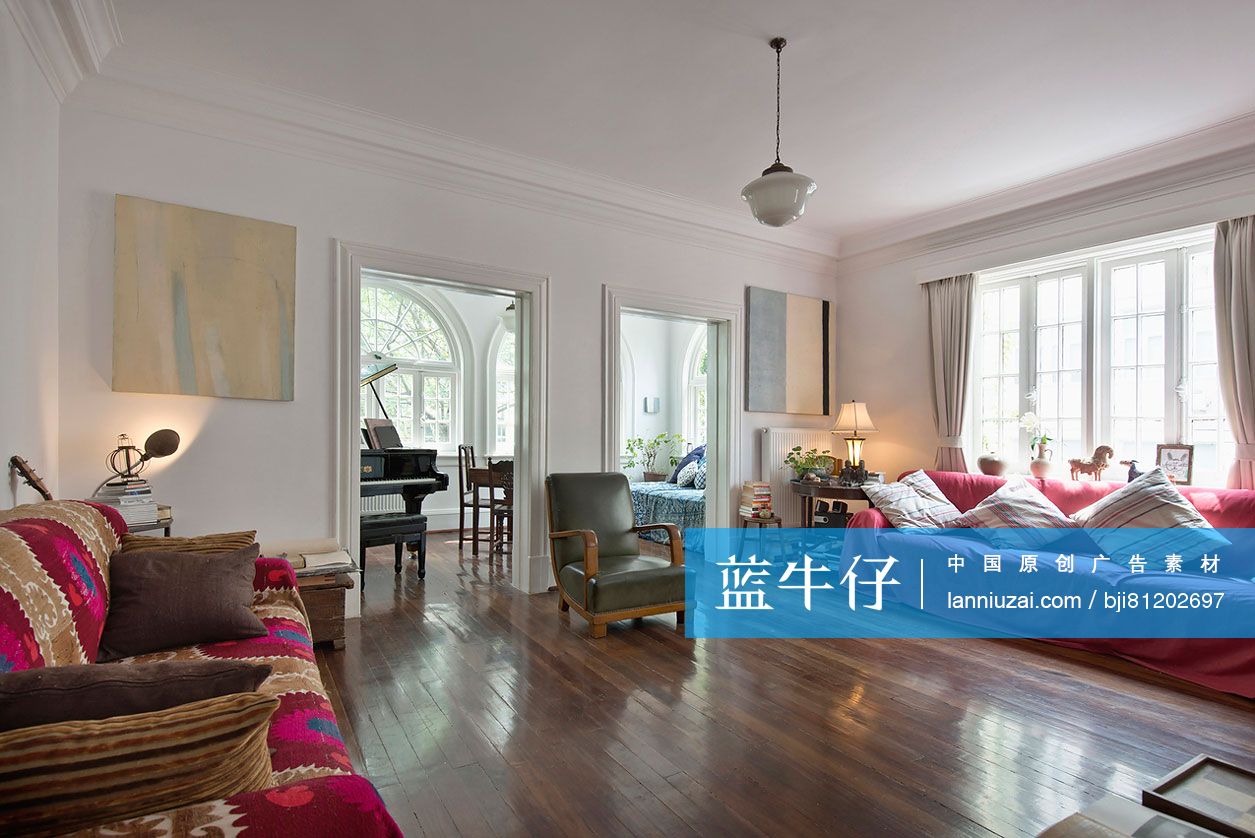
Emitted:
pixel 755 498
pixel 133 498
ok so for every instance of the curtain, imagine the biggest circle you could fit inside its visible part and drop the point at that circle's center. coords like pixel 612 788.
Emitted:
pixel 950 337
pixel 1234 278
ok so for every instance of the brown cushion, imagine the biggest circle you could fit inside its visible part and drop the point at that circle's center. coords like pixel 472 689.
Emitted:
pixel 169 600
pixel 60 777
pixel 220 542
pixel 97 691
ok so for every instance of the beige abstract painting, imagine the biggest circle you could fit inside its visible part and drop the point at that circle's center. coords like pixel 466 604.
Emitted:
pixel 203 302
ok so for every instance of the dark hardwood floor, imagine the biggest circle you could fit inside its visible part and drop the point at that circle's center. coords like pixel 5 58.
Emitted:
pixel 477 710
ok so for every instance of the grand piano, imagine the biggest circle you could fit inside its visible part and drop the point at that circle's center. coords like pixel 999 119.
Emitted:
pixel 389 469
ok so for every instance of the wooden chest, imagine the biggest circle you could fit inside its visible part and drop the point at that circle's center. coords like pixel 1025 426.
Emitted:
pixel 324 602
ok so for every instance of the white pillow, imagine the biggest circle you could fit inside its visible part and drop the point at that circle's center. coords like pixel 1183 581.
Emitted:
pixel 914 502
pixel 687 475
pixel 1016 505
pixel 1149 501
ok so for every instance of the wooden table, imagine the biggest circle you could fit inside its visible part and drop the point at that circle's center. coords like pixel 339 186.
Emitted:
pixel 811 491
pixel 479 478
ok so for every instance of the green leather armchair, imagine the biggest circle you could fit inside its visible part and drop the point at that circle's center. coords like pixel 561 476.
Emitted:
pixel 596 553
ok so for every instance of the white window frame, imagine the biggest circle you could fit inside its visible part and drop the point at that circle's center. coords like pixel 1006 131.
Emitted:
pixel 1095 268
pixel 490 431
pixel 692 384
pixel 418 370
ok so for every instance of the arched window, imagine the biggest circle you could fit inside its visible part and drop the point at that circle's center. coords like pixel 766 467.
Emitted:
pixel 695 388
pixel 501 378
pixel 422 397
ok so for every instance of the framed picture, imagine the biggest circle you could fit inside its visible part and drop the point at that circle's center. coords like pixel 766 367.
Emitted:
pixel 1210 793
pixel 1177 461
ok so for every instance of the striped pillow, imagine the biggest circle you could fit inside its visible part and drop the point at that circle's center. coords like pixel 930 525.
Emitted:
pixel 915 501
pixel 1019 506
pixel 60 777
pixel 1149 502
pixel 222 542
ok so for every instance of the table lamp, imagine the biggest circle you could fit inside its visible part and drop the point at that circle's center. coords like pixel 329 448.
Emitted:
pixel 853 422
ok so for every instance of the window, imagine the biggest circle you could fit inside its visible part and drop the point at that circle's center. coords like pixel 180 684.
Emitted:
pixel 1114 347
pixel 422 397
pixel 502 377
pixel 695 389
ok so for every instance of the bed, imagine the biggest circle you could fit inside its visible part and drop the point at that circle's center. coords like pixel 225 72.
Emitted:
pixel 667 503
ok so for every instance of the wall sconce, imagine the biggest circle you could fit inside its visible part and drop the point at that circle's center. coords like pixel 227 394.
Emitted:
pixel 653 404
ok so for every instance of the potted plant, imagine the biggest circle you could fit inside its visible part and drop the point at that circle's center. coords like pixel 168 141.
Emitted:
pixel 814 461
pixel 1040 466
pixel 645 452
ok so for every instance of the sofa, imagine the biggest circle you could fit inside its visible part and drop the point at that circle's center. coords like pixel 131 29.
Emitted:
pixel 1225 664
pixel 54 597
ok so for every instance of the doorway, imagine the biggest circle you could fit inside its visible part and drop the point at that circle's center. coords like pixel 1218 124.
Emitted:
pixel 442 394
pixel 671 379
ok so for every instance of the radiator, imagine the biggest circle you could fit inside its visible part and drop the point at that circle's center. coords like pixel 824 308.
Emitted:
pixel 382 503
pixel 776 443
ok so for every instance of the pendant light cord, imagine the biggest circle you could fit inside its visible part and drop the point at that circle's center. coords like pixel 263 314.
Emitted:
pixel 778 51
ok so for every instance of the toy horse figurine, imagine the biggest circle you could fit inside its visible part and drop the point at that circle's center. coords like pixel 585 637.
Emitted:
pixel 1093 466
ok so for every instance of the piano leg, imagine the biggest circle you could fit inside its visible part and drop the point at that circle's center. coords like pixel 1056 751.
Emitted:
pixel 399 546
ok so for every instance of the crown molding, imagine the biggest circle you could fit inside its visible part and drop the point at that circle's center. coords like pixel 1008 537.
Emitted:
pixel 163 92
pixel 1214 155
pixel 69 38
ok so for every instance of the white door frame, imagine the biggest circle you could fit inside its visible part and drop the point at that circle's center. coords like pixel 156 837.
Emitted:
pixel 724 380
pixel 531 455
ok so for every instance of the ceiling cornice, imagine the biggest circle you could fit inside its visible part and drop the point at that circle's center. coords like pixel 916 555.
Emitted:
pixel 69 38
pixel 166 93
pixel 1219 153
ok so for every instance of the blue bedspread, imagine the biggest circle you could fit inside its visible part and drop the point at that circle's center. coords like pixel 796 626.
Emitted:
pixel 667 503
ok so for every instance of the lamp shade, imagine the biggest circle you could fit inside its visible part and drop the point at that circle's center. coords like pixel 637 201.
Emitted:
pixel 854 419
pixel 779 196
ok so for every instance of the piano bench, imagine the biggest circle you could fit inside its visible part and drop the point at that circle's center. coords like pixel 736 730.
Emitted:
pixel 399 529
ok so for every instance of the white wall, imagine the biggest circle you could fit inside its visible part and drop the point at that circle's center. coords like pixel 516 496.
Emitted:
pixel 269 464
pixel 883 356
pixel 28 270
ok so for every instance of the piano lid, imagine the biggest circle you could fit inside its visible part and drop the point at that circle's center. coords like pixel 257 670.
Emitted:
pixel 373 372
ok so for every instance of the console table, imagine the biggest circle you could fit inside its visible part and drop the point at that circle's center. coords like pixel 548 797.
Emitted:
pixel 809 492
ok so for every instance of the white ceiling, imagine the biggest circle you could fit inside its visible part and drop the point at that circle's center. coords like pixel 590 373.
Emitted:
pixel 896 107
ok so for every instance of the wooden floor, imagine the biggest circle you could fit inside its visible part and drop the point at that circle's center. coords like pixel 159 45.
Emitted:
pixel 477 710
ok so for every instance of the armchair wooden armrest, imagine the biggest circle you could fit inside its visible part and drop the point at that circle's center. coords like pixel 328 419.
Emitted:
pixel 590 548
pixel 673 535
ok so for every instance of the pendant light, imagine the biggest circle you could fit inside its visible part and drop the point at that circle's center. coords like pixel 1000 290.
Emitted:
pixel 779 196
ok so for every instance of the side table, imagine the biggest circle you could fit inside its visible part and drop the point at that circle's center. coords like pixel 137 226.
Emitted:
pixel 165 520
pixel 323 596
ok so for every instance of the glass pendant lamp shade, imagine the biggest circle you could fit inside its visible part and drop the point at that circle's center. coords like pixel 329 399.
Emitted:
pixel 779 196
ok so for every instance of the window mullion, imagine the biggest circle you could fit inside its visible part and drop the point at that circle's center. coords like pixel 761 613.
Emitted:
pixel 1028 351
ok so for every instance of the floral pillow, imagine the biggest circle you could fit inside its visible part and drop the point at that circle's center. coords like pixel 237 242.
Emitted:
pixel 687 475
pixel 699 478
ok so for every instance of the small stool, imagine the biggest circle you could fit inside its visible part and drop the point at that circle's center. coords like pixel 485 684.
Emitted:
pixel 753 520
pixel 399 529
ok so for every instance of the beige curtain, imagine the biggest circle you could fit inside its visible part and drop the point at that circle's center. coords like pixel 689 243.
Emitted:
pixel 950 337
pixel 1234 278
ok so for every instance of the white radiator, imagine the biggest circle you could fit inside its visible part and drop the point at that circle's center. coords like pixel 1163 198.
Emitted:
pixel 382 503
pixel 776 443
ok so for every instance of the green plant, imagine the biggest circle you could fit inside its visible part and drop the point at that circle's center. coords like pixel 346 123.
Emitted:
pixel 644 452
pixel 802 461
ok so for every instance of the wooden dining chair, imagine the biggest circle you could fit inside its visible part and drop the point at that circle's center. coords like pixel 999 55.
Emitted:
pixel 466 489
pixel 500 504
